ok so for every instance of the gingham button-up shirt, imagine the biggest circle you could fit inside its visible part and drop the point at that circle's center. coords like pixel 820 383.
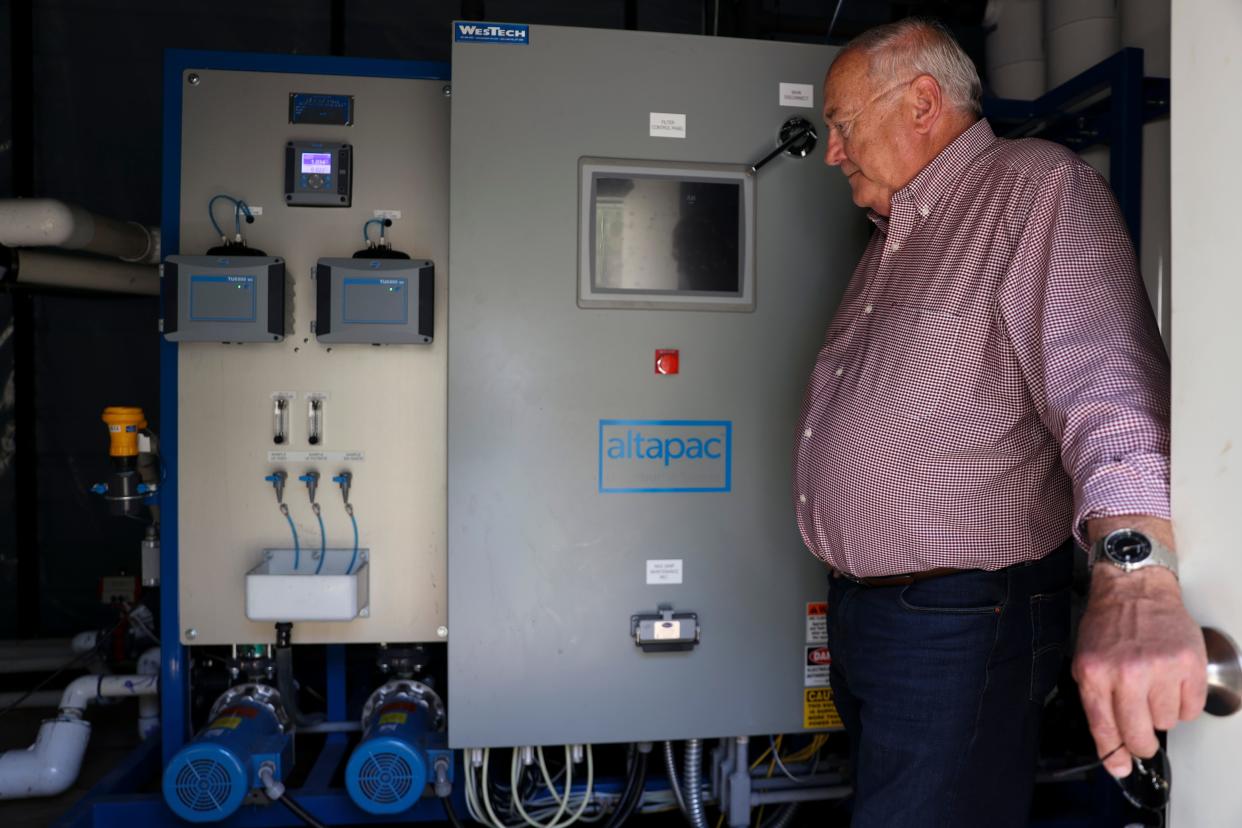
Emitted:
pixel 993 377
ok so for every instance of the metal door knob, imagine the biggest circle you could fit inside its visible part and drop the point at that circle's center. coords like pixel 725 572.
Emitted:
pixel 1224 697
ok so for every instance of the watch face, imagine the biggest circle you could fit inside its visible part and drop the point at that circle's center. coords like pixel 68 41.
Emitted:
pixel 1127 547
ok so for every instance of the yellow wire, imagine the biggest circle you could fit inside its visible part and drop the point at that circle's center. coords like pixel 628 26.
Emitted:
pixel 776 751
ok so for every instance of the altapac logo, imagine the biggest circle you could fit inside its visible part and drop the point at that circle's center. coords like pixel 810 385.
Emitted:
pixel 492 33
pixel 665 455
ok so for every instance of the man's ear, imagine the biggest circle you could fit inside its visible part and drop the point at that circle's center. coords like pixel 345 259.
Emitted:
pixel 926 101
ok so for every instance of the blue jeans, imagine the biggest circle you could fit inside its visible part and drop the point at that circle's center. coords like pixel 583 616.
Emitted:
pixel 941 685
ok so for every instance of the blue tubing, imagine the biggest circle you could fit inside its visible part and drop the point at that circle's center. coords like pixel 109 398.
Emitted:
pixel 354 559
pixel 297 549
pixel 323 545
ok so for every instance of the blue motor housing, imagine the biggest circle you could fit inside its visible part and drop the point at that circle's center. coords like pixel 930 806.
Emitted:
pixel 401 744
pixel 207 780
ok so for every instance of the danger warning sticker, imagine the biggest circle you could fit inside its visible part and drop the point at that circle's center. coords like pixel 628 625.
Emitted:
pixel 817 667
pixel 818 710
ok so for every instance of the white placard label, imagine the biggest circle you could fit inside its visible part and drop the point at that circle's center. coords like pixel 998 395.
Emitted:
pixel 668 125
pixel 388 214
pixel 667 630
pixel 255 211
pixel 798 94
pixel 316 456
pixel 664 572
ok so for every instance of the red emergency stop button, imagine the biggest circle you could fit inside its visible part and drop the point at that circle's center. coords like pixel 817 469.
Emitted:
pixel 666 361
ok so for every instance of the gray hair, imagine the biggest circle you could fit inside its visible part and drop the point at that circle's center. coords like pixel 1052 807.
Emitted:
pixel 916 46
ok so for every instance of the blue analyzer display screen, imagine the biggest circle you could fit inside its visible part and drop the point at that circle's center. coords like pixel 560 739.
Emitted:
pixel 222 298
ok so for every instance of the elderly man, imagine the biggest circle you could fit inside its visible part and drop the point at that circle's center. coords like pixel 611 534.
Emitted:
pixel 991 390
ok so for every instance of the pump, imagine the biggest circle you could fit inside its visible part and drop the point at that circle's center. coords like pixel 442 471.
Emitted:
pixel 207 780
pixel 402 744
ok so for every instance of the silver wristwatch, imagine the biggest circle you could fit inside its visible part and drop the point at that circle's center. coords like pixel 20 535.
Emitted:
pixel 1130 549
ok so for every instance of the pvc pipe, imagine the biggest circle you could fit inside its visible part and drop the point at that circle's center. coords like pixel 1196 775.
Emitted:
pixel 149 705
pixel 35 655
pixel 82 691
pixel 84 642
pixel 50 766
pixel 39 698
pixel 59 270
pixel 46 222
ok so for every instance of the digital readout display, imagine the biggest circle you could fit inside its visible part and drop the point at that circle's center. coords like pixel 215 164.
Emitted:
pixel 317 162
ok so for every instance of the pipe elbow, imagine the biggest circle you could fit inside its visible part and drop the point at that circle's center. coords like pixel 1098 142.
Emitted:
pixel 48 767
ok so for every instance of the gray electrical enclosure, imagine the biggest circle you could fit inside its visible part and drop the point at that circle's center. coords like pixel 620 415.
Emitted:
pixel 224 299
pixel 374 301
pixel 619 473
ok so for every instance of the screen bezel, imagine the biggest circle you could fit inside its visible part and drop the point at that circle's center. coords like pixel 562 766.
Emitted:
pixel 589 296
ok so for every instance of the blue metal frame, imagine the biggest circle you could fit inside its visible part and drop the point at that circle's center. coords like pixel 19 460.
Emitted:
pixel 1073 114
pixel 106 804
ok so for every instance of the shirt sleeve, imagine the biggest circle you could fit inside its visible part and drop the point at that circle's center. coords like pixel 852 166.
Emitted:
pixel 1078 318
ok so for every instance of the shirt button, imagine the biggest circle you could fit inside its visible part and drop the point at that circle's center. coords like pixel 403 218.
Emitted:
pixel 925 211
pixel 802 498
pixel 894 246
pixel 867 309
pixel 807 433
pixel 840 371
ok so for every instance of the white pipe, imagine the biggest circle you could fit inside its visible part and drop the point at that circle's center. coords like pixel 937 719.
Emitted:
pixel 39 698
pixel 149 706
pixel 50 766
pixel 84 642
pixel 46 222
pixel 61 270
pixel 35 655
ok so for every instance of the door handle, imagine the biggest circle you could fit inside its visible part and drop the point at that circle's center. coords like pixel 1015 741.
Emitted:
pixel 1224 674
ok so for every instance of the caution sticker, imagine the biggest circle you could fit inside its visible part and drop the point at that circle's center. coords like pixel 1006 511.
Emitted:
pixel 818 710
pixel 227 722
pixel 817 622
pixel 393 718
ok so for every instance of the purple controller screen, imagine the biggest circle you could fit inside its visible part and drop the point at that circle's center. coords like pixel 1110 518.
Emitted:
pixel 317 162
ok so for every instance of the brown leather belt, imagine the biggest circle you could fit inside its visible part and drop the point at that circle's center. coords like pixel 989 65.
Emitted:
pixel 901 580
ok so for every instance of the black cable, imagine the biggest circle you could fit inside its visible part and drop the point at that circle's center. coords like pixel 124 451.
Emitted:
pixel 300 812
pixel 447 802
pixel 633 793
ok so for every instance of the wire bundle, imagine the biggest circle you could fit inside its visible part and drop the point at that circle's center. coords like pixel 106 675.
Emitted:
pixel 552 809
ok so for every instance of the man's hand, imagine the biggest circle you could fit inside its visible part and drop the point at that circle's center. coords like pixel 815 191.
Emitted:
pixel 1141 663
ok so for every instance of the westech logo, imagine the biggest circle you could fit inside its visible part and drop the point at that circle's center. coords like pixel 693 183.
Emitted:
pixel 665 455
pixel 492 33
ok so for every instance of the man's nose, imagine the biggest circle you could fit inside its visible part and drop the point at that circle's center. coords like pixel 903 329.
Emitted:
pixel 835 155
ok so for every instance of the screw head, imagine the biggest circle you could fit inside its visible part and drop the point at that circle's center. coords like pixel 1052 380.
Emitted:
pixel 447 91
pixel 442 632
pixel 191 633
pixel 193 79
